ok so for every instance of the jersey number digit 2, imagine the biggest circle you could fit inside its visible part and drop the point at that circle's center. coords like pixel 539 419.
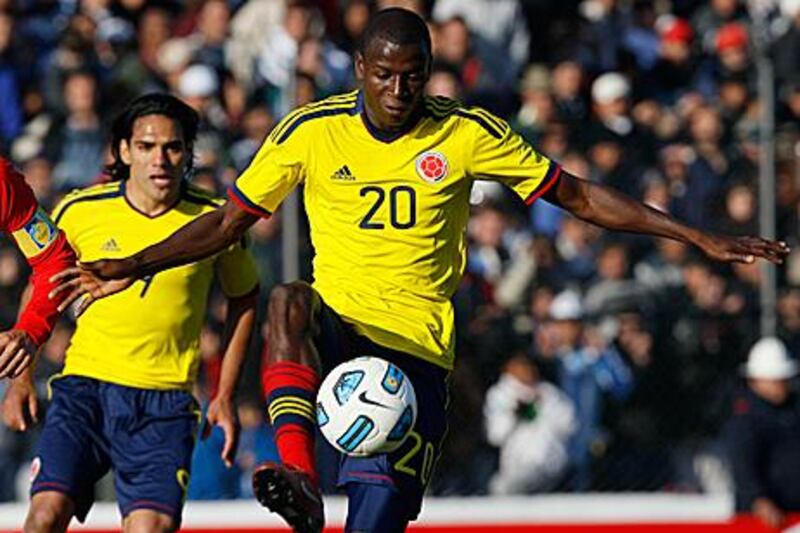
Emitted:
pixel 401 198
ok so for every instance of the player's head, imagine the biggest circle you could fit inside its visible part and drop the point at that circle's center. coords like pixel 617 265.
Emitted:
pixel 393 63
pixel 152 141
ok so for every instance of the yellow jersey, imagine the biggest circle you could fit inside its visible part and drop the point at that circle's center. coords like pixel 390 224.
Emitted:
pixel 388 214
pixel 148 335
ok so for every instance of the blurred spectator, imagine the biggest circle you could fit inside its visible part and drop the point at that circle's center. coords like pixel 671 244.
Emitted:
pixel 444 81
pixel 739 217
pixel 10 107
pixel 674 71
pixel 640 427
pixel 613 290
pixel 611 106
pixel 483 73
pixel 530 421
pixel 709 18
pixel 355 15
pixel 787 46
pixel 587 370
pixel 256 123
pixel 538 108
pixel 76 142
pixel 567 87
pixel 601 38
pixel 731 59
pixel 764 435
pixel 499 22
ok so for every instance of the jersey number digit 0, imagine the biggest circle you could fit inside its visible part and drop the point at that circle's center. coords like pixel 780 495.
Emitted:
pixel 427 460
pixel 401 199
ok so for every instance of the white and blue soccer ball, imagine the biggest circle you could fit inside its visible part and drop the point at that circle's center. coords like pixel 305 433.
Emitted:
pixel 366 406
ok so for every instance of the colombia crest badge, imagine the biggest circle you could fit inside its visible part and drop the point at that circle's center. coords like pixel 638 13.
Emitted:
pixel 432 166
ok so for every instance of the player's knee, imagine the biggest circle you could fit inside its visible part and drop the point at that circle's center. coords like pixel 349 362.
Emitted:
pixel 145 521
pixel 47 517
pixel 291 306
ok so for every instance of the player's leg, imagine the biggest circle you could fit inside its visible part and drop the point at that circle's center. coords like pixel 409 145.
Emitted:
pixel 297 321
pixel 50 512
pixel 385 491
pixel 148 521
pixel 152 436
pixel 375 508
pixel 293 375
pixel 71 456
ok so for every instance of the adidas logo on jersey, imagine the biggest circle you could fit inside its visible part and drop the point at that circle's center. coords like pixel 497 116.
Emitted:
pixel 110 246
pixel 343 174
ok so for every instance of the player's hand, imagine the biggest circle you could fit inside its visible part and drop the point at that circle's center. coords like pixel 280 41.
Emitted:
pixel 20 406
pixel 743 249
pixel 107 269
pixel 768 512
pixel 82 284
pixel 222 413
pixel 16 352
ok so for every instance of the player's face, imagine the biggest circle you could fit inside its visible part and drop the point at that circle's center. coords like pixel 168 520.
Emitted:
pixel 157 156
pixel 394 78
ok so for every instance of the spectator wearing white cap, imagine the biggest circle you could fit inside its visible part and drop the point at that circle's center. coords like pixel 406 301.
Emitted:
pixel 588 371
pixel 764 435
pixel 611 102
pixel 199 86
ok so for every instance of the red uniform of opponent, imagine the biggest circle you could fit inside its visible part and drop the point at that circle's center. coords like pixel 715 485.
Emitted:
pixel 47 252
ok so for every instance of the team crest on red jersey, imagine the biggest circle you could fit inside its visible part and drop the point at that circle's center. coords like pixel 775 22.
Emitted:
pixel 432 166
pixel 36 466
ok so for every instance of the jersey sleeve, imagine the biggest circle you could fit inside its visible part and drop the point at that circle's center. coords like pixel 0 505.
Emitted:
pixel 17 202
pixel 236 270
pixel 500 154
pixel 45 248
pixel 278 167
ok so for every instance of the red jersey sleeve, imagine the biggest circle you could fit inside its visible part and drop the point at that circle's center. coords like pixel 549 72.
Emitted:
pixel 45 248
pixel 17 202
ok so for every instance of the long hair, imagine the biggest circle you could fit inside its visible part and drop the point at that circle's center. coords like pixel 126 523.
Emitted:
pixel 151 104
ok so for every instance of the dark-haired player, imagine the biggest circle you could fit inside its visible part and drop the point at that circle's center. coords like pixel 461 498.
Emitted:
pixel 387 175
pixel 123 400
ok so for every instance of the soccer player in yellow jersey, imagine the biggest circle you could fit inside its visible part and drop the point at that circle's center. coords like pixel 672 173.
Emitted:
pixel 387 174
pixel 123 400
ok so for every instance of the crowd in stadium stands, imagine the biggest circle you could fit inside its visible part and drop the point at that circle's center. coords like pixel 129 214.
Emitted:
pixel 586 361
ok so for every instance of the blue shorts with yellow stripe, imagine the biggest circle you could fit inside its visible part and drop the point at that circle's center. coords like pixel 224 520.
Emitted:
pixel 146 436
pixel 385 491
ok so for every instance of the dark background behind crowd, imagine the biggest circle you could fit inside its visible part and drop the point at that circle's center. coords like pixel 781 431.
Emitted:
pixel 610 360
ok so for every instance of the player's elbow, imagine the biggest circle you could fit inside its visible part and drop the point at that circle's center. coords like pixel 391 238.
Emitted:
pixel 232 222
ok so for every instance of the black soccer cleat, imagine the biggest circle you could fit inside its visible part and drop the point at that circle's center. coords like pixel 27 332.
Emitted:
pixel 289 492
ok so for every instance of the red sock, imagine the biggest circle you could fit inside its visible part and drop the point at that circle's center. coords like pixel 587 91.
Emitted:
pixel 291 390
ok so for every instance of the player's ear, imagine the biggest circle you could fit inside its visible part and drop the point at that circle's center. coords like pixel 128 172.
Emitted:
pixel 359 66
pixel 125 151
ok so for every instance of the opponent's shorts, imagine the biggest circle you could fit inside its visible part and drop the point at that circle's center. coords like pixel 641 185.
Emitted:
pixel 147 436
pixel 385 491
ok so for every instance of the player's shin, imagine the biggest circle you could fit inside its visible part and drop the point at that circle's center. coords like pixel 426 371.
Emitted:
pixel 290 390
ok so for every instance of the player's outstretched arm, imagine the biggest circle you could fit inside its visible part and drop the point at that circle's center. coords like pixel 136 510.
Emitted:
pixel 222 411
pixel 614 210
pixel 204 236
pixel 20 405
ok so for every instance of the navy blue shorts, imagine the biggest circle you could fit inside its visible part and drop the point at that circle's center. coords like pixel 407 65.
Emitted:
pixel 147 436
pixel 385 491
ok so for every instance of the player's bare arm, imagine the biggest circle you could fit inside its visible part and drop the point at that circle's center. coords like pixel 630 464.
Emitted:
pixel 20 405
pixel 201 238
pixel 222 410
pixel 606 207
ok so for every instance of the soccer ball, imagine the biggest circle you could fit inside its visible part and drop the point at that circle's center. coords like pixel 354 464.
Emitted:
pixel 366 406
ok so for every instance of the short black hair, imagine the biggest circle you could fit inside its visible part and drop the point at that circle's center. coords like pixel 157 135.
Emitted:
pixel 396 25
pixel 143 106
